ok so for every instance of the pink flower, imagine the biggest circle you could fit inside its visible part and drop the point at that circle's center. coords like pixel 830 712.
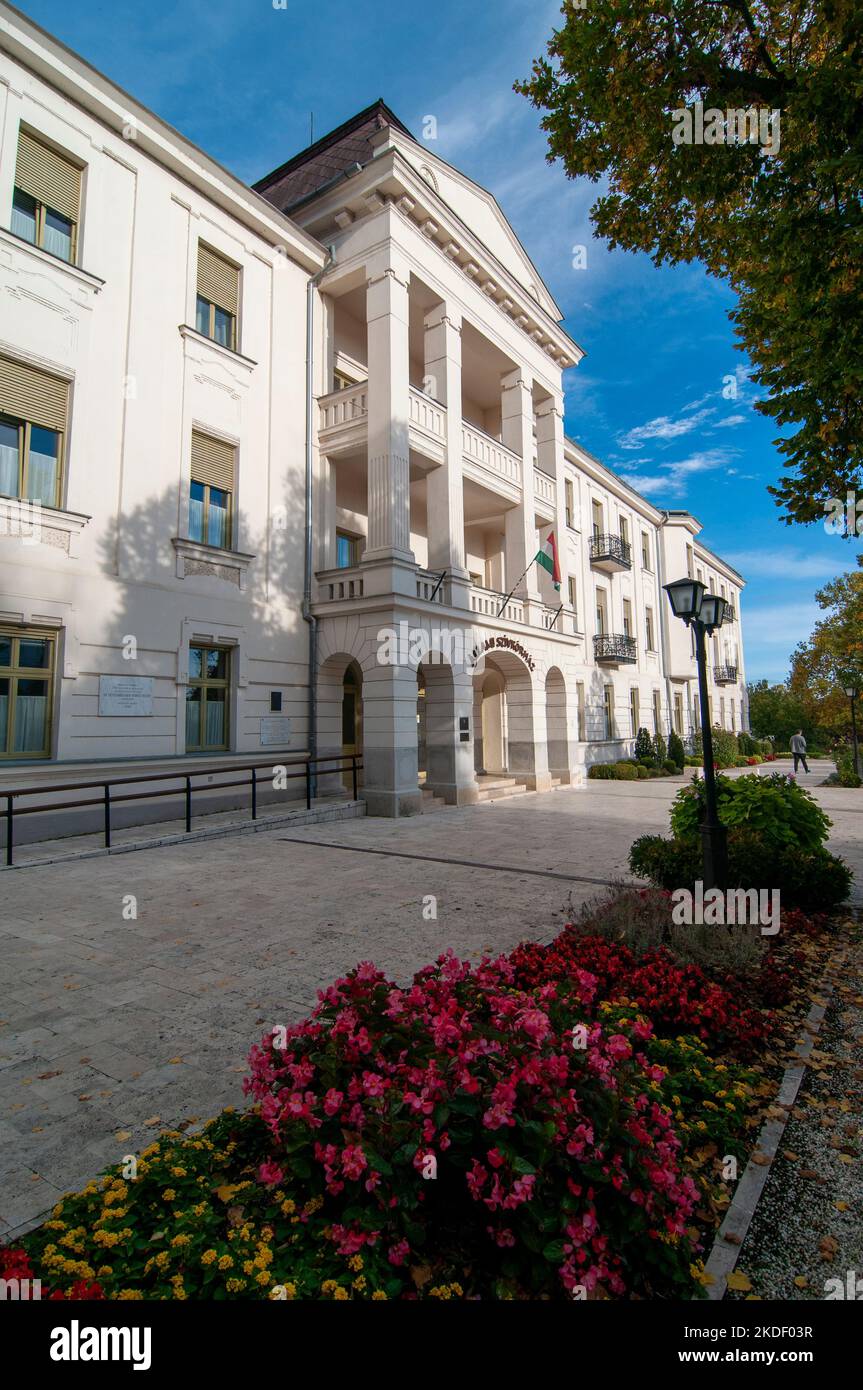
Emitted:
pixel 398 1253
pixel 333 1102
pixel 270 1174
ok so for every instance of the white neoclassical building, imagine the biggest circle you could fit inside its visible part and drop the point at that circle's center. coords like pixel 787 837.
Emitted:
pixel 275 464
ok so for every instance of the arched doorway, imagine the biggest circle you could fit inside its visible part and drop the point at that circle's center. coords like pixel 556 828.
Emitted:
pixel 352 717
pixel 556 731
pixel 504 718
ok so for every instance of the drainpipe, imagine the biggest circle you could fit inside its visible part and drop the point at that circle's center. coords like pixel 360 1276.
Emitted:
pixel 663 626
pixel 308 615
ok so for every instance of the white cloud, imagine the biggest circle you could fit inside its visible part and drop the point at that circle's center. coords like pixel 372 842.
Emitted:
pixel 672 480
pixel 663 427
pixel 729 422
pixel 783 561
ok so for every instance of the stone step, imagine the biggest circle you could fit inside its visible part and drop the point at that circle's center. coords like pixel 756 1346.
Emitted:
pixel 500 788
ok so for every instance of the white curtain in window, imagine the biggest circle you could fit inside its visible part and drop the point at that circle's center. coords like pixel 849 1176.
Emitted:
pixel 4 720
pixel 193 723
pixel 24 223
pixel 42 478
pixel 215 723
pixel 8 461
pixel 57 239
pixel 30 716
pixel 196 518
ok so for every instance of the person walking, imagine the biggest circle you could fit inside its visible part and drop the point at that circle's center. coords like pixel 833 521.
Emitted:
pixel 798 750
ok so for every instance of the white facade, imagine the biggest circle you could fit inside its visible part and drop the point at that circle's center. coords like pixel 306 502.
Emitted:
pixel 438 458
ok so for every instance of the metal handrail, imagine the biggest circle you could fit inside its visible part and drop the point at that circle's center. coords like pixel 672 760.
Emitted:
pixel 606 546
pixel 106 800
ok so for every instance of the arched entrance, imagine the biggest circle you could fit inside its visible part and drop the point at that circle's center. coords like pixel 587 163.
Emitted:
pixel 556 730
pixel 352 717
pixel 340 717
pixel 505 740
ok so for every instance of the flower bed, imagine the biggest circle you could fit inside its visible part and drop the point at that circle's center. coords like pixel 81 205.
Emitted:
pixel 549 1124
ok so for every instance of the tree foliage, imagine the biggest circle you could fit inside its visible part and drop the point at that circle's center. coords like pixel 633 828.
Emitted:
pixel 783 227
pixel 832 658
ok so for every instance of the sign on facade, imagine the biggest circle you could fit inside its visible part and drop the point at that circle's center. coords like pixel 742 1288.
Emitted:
pixel 275 730
pixel 125 695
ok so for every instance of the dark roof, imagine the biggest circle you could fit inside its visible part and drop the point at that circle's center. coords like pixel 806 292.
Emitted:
pixel 349 144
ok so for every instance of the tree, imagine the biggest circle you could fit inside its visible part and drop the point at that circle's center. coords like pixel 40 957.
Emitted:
pixel 833 655
pixel 776 712
pixel 782 223
pixel 643 745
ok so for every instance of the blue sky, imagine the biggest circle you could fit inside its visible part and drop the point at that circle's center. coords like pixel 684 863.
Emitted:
pixel 662 396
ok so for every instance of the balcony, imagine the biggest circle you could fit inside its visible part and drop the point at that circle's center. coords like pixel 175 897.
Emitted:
pixel 490 463
pixel 614 649
pixel 729 613
pixel 725 675
pixel 610 553
pixel 343 421
pixel 544 494
pixel 488 603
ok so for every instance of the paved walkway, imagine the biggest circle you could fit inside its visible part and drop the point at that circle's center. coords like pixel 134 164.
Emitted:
pixel 114 1025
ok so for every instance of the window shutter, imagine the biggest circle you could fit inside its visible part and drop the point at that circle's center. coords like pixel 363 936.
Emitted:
pixel 48 177
pixel 218 280
pixel 213 461
pixel 29 394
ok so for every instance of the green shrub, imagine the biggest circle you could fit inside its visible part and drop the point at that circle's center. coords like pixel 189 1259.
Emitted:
pixel 670 766
pixel 659 750
pixel 746 744
pixel 777 808
pixel 692 760
pixel 676 751
pixel 601 772
pixel 741 762
pixel 625 772
pixel 643 746
pixel 641 771
pixel 724 747
pixel 846 773
pixel 815 880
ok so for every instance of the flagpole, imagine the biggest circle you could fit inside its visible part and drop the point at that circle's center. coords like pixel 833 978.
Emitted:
pixel 514 587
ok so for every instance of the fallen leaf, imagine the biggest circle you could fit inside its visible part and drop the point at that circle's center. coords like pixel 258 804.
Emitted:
pixel 739 1282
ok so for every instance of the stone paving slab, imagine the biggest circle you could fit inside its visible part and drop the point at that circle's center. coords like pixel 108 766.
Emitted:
pixel 112 1029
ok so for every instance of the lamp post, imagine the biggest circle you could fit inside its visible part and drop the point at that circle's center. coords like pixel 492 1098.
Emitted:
pixel 852 692
pixel 704 613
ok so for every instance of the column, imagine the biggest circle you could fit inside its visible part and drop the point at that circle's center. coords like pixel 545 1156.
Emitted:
pixel 521 540
pixel 388 427
pixel 444 494
pixel 549 452
pixel 391 778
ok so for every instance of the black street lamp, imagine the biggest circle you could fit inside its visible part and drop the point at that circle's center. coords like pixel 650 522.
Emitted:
pixel 852 692
pixel 704 613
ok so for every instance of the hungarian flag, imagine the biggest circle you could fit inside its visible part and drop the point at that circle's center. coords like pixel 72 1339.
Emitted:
pixel 547 557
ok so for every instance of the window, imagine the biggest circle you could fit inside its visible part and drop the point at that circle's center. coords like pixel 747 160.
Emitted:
pixel 347 550
pixel 689 561
pixel 627 617
pixel 582 722
pixel 207 699
pixel 46 198
pixel 634 710
pixel 569 495
pixel 624 530
pixel 722 712
pixel 733 719
pixel 657 712
pixel 645 551
pixel 33 408
pixel 601 612
pixel 597 518
pixel 572 589
pixel 648 623
pixel 678 714
pixel 218 297
pixel 26 685
pixel 211 491
pixel 608 707
pixel 342 382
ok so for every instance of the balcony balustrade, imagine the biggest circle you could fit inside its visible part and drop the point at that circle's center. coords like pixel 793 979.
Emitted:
pixel 614 649
pixel 610 553
pixel 725 675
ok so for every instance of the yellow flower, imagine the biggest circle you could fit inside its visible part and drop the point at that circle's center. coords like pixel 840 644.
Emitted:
pixel 235 1285
pixel 341 1294
pixel 288 1207
pixel 379 1296
pixel 227 1262
pixel 169 1195
pixel 105 1271
pixel 360 1283
pixel 263 1277
pixel 355 1263
pixel 130 1294
pixel 181 1240
pixel 178 1172
pixel 208 1257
